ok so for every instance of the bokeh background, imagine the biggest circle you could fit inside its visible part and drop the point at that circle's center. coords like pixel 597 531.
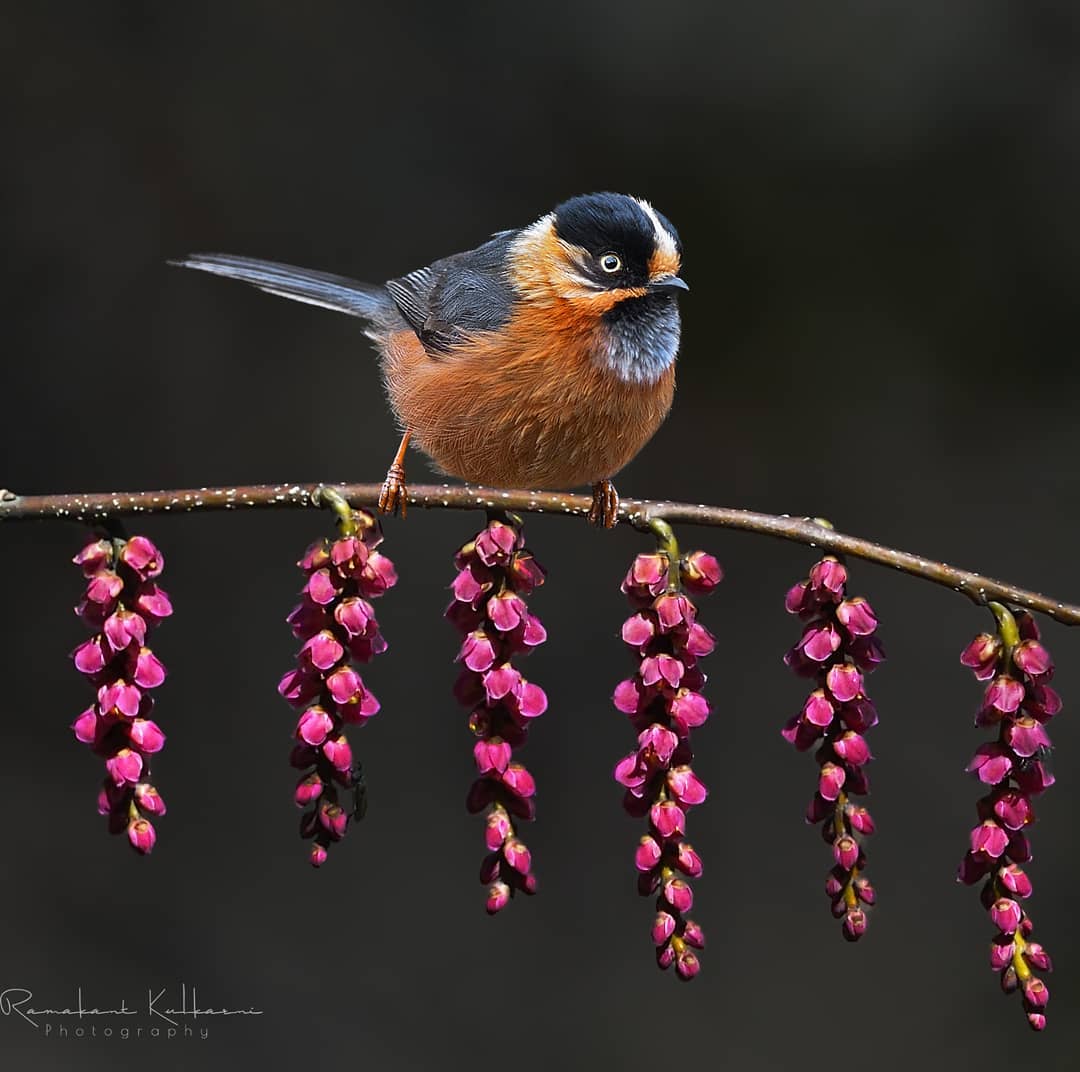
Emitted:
pixel 879 209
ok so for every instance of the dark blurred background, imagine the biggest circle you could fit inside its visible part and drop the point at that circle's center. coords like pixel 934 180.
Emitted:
pixel 879 209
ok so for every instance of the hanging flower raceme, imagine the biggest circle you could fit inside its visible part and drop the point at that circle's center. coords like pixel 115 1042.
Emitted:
pixel 337 625
pixel 495 574
pixel 664 701
pixel 122 604
pixel 837 649
pixel 1017 704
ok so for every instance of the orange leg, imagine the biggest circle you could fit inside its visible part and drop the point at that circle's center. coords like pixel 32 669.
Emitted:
pixel 605 505
pixel 394 493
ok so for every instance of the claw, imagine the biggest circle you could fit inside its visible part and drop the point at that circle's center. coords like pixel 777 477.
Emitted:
pixel 394 492
pixel 604 511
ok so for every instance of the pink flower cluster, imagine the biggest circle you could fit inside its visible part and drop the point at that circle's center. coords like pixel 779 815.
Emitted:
pixel 337 624
pixel 837 649
pixel 664 702
pixel 122 603
pixel 495 574
pixel 1018 703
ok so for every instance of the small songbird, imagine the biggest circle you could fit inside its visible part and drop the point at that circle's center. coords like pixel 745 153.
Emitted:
pixel 543 358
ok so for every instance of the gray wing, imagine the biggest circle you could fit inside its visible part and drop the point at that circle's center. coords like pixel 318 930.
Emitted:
pixel 454 297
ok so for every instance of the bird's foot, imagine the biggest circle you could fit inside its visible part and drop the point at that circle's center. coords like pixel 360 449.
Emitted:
pixel 604 511
pixel 394 493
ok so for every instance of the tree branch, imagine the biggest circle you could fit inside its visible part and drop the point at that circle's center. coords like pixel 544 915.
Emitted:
pixel 92 508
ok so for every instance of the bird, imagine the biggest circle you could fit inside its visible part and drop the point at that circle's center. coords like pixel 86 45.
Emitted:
pixel 544 357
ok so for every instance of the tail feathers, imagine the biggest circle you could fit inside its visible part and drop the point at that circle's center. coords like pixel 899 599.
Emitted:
pixel 300 284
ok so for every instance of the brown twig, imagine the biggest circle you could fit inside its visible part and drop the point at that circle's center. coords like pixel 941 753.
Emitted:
pixel 92 508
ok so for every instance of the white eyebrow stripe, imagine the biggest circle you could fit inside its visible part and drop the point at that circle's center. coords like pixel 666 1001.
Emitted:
pixel 665 243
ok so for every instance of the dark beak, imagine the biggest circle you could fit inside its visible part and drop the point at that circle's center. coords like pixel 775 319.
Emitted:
pixel 669 282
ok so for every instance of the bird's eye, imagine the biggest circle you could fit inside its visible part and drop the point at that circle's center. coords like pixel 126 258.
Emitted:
pixel 610 263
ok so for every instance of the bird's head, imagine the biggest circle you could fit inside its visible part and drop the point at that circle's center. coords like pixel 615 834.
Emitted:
pixel 601 249
pixel 610 264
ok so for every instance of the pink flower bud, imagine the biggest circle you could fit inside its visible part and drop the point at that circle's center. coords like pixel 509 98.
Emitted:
pixel 333 820
pixel 492 755
pixel 694 935
pixel 498 829
pixel 992 763
pixel 828 577
pixel 119 698
pixel 688 861
pixel 125 767
pixel 649 574
pixel 308 789
pixel 91 656
pixel 531 700
pixel 87 726
pixel 495 544
pixel 674 610
pixel 638 630
pixel 831 781
pixel 981 656
pixel 1004 694
pixel 323 650
pixel 1032 658
pixel 149 672
pixel 354 615
pixel 668 819
pixel 678 894
pixel 498 897
pixel 153 602
pixel 647 855
pixel 149 799
pixel 146 735
pixel 477 652
pixel 844 681
pixel 686 786
pixel 854 926
pixel 688 709
pixel 989 838
pixel 658 743
pixel 1005 915
pixel 314 725
pixel 663 927
pixel 517 855
pixel 852 748
pixel 1036 994
pixel 819 641
pixel 378 575
pixel 94 556
pixel 124 628
pixel 857 617
pixel 662 668
pixel 1036 957
pixel 700 572
pixel 1015 881
pixel 846 852
pixel 338 752
pixel 104 587
pixel 687 964
pixel 501 681
pixel 518 780
pixel 142 557
pixel 1025 736
pixel 506 611
pixel 142 835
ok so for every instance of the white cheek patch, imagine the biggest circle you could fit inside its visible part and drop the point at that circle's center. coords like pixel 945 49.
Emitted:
pixel 665 242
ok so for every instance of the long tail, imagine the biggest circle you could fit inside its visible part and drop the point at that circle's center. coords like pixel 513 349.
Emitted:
pixel 300 284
